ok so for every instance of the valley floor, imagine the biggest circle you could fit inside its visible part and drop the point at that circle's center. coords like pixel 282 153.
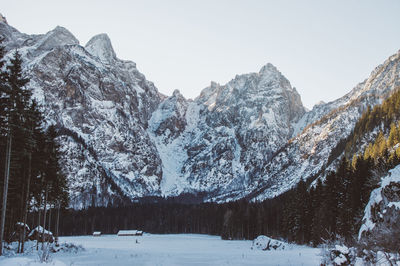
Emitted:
pixel 182 249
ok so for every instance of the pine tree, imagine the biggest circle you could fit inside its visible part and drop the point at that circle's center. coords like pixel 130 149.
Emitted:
pixel 302 212
pixel 316 203
pixel 16 99
pixel 4 95
pixel 5 139
pixel 54 182
pixel 330 206
pixel 34 128
pixel 54 176
pixel 31 159
pixel 344 185
pixel 394 137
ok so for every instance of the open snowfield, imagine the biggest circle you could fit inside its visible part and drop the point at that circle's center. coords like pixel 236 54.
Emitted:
pixel 182 249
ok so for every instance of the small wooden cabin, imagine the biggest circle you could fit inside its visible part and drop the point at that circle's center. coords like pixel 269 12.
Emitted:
pixel 127 232
pixel 97 233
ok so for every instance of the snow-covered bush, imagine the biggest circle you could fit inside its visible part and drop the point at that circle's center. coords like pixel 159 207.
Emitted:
pixel 39 233
pixel 44 253
pixel 267 243
pixel 383 258
pixel 67 247
pixel 339 255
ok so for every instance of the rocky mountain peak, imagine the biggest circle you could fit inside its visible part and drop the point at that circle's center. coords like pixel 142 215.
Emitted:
pixel 101 110
pixel 100 46
pixel 248 87
pixel 222 139
pixel 177 94
pixel 59 36
pixel 3 19
pixel 214 84
pixel 270 72
pixel 268 68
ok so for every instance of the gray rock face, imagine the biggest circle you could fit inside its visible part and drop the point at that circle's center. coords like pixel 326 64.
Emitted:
pixel 380 224
pixel 122 139
pixel 252 137
pixel 225 136
pixel 106 101
pixel 321 129
pixel 100 46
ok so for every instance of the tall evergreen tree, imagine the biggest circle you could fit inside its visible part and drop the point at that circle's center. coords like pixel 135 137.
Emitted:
pixel 317 213
pixel 33 121
pixel 15 98
pixel 4 133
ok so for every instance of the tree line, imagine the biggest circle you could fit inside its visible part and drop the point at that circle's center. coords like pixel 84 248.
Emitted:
pixel 31 177
pixel 325 211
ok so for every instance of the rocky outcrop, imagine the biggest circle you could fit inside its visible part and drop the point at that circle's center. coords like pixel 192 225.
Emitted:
pixel 381 221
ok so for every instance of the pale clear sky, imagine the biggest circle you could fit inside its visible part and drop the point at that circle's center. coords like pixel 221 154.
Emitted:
pixel 323 47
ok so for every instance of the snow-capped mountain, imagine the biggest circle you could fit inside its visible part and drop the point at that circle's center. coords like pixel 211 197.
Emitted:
pixel 253 138
pixel 122 139
pixel 219 142
pixel 308 154
pixel 105 101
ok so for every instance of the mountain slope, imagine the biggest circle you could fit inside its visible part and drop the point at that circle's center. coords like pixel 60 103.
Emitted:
pixel 238 143
pixel 306 155
pixel 103 100
pixel 221 140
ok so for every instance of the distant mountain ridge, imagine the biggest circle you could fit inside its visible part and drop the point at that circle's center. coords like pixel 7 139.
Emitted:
pixel 227 133
pixel 250 138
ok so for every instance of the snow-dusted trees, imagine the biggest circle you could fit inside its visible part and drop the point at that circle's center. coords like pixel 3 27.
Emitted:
pixel 29 155
pixel 15 104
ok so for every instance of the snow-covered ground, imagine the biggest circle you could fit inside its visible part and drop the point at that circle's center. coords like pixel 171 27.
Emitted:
pixel 183 249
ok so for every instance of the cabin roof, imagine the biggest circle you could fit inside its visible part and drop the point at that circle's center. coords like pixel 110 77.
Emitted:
pixel 127 232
